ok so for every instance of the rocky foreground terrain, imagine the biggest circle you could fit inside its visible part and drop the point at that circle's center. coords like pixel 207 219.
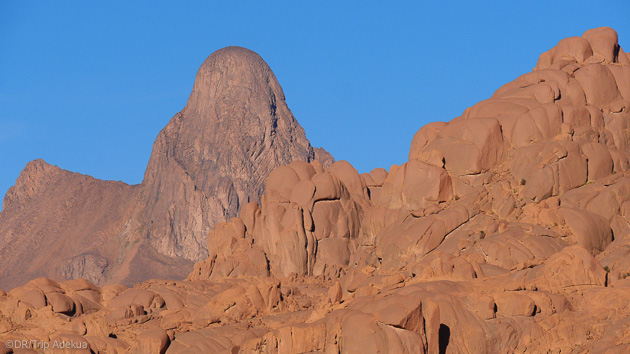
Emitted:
pixel 508 230
pixel 211 158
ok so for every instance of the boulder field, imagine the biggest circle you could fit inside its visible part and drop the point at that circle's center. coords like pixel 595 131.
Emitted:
pixel 508 230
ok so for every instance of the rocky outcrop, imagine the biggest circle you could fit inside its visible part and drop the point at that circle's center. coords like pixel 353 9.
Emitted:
pixel 505 212
pixel 308 224
pixel 211 159
pixel 506 231
pixel 214 156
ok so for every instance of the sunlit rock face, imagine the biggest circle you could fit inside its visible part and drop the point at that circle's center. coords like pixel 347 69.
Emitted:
pixel 508 230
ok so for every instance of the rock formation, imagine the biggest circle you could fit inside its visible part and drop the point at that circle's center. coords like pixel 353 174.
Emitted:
pixel 215 154
pixel 506 231
pixel 211 158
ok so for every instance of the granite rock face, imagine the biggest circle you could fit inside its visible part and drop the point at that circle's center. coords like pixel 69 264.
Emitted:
pixel 211 158
pixel 508 230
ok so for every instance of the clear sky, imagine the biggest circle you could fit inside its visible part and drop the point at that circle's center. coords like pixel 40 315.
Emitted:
pixel 87 85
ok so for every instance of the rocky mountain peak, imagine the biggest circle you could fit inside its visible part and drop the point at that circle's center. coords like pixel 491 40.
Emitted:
pixel 211 158
pixel 230 74
pixel 34 175
pixel 215 155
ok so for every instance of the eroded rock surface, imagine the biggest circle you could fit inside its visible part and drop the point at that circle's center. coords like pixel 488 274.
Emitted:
pixel 507 230
pixel 211 159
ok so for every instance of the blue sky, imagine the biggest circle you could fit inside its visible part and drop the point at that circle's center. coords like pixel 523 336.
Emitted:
pixel 87 85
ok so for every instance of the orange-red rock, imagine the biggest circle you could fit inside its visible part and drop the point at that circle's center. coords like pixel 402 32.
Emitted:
pixel 508 230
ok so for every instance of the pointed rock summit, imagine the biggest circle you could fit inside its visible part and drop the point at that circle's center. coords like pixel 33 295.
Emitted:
pixel 210 159
pixel 215 155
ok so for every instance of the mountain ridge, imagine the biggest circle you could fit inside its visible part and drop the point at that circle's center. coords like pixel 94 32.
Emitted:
pixel 210 158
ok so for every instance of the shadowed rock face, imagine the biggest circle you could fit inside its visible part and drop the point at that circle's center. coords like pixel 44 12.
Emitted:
pixel 508 230
pixel 210 159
